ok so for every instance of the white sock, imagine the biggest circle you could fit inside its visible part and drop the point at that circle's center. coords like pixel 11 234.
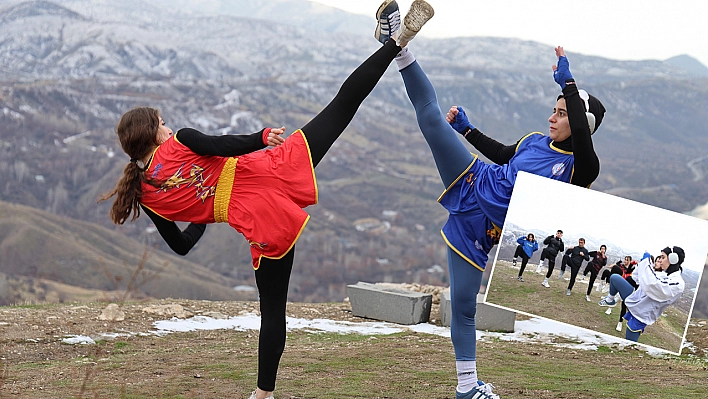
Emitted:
pixel 404 58
pixel 466 375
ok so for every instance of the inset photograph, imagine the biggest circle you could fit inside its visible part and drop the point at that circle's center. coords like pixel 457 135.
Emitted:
pixel 599 262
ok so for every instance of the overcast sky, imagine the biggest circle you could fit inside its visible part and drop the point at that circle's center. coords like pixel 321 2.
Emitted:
pixel 629 224
pixel 623 30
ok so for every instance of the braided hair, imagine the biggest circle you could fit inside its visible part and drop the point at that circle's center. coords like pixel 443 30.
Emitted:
pixel 137 132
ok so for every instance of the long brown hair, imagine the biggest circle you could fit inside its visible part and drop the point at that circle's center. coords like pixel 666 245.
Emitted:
pixel 137 133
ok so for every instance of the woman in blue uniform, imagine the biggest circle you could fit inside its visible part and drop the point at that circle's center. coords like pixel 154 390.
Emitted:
pixel 477 194
pixel 527 246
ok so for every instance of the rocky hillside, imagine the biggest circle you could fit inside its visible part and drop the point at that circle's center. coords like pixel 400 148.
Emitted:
pixel 69 69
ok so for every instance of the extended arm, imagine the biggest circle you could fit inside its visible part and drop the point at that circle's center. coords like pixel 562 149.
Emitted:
pixel 587 165
pixel 228 145
pixel 179 241
pixel 487 146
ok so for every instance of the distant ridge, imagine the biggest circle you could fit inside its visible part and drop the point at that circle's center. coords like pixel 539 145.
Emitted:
pixel 689 64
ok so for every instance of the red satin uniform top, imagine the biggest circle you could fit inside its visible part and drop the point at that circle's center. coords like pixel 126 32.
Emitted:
pixel 260 194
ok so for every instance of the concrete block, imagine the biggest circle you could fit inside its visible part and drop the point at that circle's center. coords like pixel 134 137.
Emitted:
pixel 489 318
pixel 394 305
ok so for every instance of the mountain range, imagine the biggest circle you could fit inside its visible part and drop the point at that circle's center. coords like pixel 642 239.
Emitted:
pixel 69 69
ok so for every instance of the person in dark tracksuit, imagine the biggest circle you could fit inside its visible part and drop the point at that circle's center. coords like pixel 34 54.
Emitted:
pixel 564 262
pixel 599 260
pixel 527 246
pixel 577 255
pixel 554 245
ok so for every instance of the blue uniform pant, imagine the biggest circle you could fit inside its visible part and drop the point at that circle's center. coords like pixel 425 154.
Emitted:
pixel 625 289
pixel 451 158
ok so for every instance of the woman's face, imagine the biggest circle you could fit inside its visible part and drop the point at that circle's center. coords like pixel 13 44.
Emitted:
pixel 661 262
pixel 163 132
pixel 560 127
pixel 530 237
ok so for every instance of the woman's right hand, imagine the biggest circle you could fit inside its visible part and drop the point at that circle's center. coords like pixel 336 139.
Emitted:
pixel 457 118
pixel 275 136
pixel 451 114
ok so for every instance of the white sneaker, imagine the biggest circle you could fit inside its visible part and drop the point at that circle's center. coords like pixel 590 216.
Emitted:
pixel 599 287
pixel 545 283
pixel 567 293
pixel 483 391
pixel 539 269
pixel 607 302
pixel 560 276
pixel 389 20
pixel 587 298
pixel 619 326
pixel 608 311
pixel 253 396
pixel 419 13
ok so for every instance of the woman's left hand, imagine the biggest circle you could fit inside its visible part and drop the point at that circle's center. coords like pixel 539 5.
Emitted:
pixel 275 136
pixel 561 72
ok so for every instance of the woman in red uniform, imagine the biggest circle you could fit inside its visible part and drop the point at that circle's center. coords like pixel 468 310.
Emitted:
pixel 201 179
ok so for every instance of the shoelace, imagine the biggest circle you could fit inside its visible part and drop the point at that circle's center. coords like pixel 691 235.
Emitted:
pixel 487 388
pixel 393 22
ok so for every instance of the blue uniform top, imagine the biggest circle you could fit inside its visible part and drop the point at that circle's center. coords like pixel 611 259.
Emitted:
pixel 479 199
pixel 528 246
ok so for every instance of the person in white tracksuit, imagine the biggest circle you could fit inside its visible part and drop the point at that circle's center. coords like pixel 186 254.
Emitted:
pixel 660 286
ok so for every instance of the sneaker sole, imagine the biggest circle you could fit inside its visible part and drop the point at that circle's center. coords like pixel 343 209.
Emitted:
pixel 419 13
pixel 608 305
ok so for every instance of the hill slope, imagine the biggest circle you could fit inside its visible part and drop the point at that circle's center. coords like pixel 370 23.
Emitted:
pixel 39 245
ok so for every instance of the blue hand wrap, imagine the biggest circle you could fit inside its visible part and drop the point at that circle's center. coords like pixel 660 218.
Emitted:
pixel 562 73
pixel 461 123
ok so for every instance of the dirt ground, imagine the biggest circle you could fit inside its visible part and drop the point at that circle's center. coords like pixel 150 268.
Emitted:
pixel 221 363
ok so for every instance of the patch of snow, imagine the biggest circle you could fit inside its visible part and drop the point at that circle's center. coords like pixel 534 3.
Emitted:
pixel 78 339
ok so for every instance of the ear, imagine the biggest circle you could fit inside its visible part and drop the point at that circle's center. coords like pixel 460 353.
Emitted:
pixel 673 258
pixel 591 121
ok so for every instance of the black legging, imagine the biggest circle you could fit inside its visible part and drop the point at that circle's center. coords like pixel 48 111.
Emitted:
pixel 524 258
pixel 545 254
pixel 273 275
pixel 565 262
pixel 322 131
pixel 607 273
pixel 593 275
pixel 573 274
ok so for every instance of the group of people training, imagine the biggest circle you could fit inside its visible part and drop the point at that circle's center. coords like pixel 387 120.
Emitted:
pixel 573 258
pixel 188 176
pixel 655 284
pixel 663 285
